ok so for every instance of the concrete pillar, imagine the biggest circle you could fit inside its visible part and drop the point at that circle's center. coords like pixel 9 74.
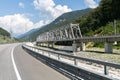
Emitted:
pixel 108 47
pixel 41 44
pixel 82 46
pixel 74 45
pixel 37 44
pixel 48 45
pixel 52 45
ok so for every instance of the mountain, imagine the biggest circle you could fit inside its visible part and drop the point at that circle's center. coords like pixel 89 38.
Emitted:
pixel 4 32
pixel 64 19
pixel 27 33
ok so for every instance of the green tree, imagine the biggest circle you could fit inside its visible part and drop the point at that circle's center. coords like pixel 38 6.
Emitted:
pixel 116 9
pixel 4 32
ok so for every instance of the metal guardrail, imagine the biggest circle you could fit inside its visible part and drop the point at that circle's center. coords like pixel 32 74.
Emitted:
pixel 76 72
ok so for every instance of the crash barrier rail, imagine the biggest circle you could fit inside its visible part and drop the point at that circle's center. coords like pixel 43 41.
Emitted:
pixel 78 73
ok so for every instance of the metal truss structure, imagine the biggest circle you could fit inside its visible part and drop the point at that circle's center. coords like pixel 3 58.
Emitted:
pixel 68 32
pixel 72 32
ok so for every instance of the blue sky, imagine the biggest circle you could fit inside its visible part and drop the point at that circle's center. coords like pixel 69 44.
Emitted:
pixel 20 16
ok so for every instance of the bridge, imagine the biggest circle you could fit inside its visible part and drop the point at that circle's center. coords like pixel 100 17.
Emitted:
pixel 72 32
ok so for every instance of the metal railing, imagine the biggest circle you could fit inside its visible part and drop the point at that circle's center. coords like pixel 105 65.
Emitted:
pixel 77 72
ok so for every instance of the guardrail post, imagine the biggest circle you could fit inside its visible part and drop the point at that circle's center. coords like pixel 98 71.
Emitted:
pixel 105 70
pixel 36 50
pixel 48 54
pixel 58 57
pixel 43 52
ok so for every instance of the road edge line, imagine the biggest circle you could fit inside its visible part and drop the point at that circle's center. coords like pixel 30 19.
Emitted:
pixel 14 65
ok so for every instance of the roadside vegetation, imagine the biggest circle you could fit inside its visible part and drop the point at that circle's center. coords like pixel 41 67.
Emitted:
pixel 101 18
pixel 5 37
pixel 99 54
pixel 100 21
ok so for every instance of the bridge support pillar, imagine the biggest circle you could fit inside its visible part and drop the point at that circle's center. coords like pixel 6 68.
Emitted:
pixel 74 46
pixel 41 44
pixel 82 46
pixel 48 44
pixel 38 44
pixel 52 45
pixel 108 47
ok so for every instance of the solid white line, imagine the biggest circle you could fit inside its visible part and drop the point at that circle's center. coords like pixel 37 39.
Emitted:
pixel 15 67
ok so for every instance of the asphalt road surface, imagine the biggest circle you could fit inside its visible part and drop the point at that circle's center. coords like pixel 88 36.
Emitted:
pixel 16 64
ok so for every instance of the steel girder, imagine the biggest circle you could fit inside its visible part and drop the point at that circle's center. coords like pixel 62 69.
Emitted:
pixel 70 31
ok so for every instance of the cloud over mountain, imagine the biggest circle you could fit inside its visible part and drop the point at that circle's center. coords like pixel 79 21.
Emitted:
pixel 91 3
pixel 18 23
pixel 49 10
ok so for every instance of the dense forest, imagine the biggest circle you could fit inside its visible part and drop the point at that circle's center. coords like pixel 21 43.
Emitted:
pixel 4 32
pixel 106 12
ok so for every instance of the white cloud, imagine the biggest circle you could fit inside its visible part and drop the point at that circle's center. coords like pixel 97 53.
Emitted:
pixel 40 23
pixel 19 23
pixel 21 5
pixel 49 10
pixel 91 3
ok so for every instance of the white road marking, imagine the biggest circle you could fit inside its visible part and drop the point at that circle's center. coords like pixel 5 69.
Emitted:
pixel 15 67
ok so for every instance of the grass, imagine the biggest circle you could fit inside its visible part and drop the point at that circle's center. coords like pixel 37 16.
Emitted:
pixel 4 40
pixel 100 55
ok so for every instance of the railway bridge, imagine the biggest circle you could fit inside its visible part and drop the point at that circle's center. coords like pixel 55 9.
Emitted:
pixel 72 32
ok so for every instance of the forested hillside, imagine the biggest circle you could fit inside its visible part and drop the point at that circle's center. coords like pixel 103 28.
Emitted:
pixel 100 20
pixel 103 16
pixel 4 32
pixel 5 37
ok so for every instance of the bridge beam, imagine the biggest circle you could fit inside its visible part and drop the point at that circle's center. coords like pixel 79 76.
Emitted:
pixel 108 47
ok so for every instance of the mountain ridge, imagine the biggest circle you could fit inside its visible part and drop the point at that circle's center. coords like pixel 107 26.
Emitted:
pixel 64 19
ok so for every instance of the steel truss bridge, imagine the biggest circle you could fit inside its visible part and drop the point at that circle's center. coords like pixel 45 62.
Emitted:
pixel 72 32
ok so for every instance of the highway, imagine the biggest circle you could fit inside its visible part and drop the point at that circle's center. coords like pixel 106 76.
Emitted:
pixel 16 64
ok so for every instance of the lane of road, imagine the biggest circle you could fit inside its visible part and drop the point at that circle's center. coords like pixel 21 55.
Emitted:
pixel 6 66
pixel 28 67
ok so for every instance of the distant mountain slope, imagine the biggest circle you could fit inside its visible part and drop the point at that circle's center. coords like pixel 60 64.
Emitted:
pixel 64 19
pixel 28 33
pixel 4 32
